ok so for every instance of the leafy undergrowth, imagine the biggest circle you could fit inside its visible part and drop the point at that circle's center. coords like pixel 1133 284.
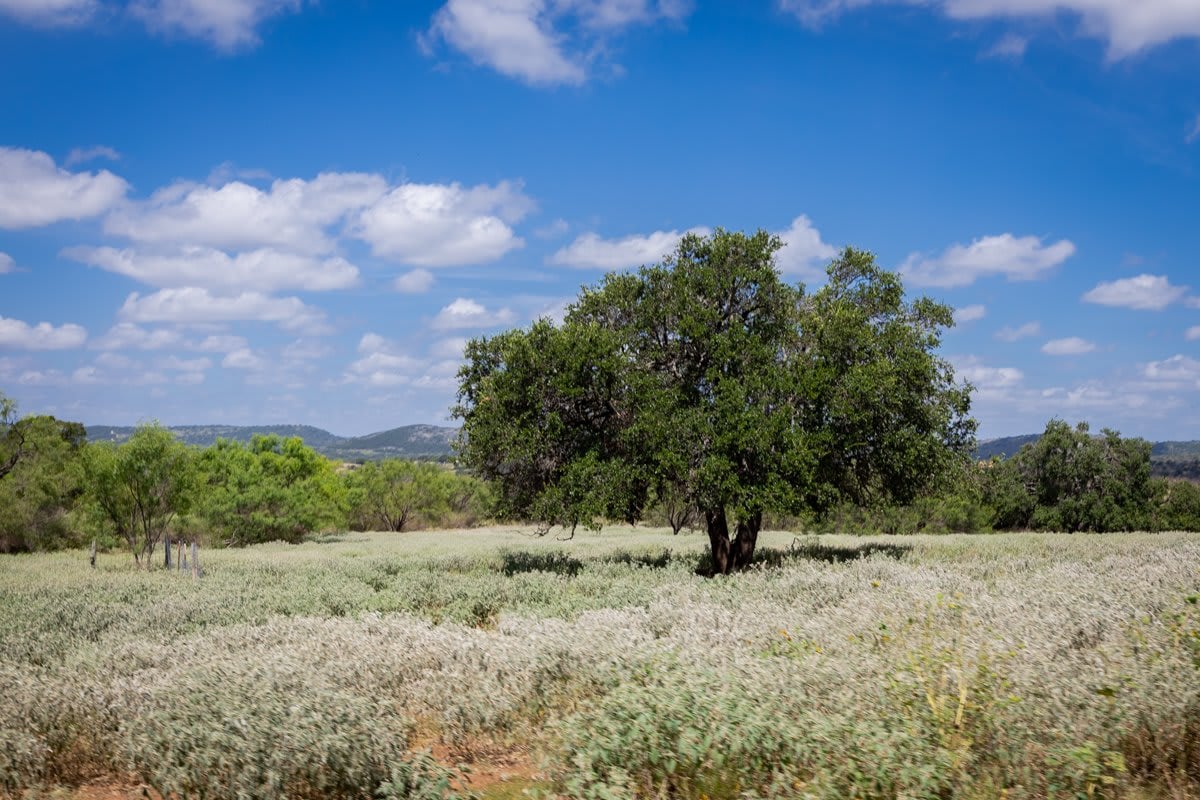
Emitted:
pixel 494 665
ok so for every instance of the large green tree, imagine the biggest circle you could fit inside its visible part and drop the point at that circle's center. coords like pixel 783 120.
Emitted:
pixel 709 378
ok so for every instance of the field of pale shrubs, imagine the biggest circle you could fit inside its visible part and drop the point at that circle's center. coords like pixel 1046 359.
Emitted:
pixel 376 665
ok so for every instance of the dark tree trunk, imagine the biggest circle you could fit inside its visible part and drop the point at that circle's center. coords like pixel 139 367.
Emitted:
pixel 730 556
pixel 747 537
pixel 718 539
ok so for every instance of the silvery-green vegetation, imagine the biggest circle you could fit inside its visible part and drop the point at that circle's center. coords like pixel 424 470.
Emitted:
pixel 942 667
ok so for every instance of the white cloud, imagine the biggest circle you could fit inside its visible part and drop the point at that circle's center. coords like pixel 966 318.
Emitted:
pixel 127 336
pixel 969 314
pixel 244 358
pixel 177 364
pixel 1129 26
pixel 33 191
pixel 803 251
pixel 218 343
pixel 1017 258
pixel 1142 292
pixel 466 313
pixel 1070 346
pixel 1178 369
pixel 292 216
pixel 1192 333
pixel 303 350
pixel 49 12
pixel 195 305
pixel 514 37
pixel 981 376
pixel 418 281
pixel 1010 334
pixel 1010 46
pixel 79 155
pixel 383 369
pixel 262 270
pixel 439 225
pixel 542 42
pixel 1194 132
pixel 115 361
pixel 18 335
pixel 227 24
pixel 452 347
pixel 6 263
pixel 589 251
pixel 373 343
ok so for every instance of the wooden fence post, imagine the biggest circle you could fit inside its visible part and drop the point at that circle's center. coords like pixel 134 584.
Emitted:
pixel 167 551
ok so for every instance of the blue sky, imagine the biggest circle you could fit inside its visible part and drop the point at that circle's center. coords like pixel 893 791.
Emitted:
pixel 268 211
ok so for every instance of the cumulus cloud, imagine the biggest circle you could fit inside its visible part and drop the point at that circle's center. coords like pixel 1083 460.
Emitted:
pixel 1128 27
pixel 383 363
pixel 1010 46
pixel 80 155
pixel 1142 292
pixel 242 358
pixel 969 314
pixel 195 305
pixel 467 313
pixel 1013 334
pixel 1070 346
pixel 49 12
pixel 982 376
pixel 1192 334
pixel 6 263
pixel 34 191
pixel 16 334
pixel 590 251
pixel 452 347
pixel 262 270
pixel 441 225
pixel 418 281
pixel 1016 258
pixel 1179 370
pixel 292 215
pixel 227 24
pixel 127 336
pixel 803 253
pixel 542 42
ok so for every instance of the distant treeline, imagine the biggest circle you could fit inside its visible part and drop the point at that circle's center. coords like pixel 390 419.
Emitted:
pixel 59 490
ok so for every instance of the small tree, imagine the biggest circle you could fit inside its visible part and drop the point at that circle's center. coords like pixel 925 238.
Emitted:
pixel 139 487
pixel 709 376
pixel 12 435
pixel 272 489
pixel 388 495
pixel 39 490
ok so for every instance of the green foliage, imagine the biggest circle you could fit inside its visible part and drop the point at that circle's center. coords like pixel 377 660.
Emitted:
pixel 395 495
pixel 708 379
pixel 37 493
pixel 1176 505
pixel 271 489
pixel 137 489
pixel 1071 480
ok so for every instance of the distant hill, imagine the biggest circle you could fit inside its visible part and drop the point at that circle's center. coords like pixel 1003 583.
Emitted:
pixel 1005 447
pixel 1167 459
pixel 409 441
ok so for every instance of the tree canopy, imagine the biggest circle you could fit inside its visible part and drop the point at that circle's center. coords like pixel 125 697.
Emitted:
pixel 709 378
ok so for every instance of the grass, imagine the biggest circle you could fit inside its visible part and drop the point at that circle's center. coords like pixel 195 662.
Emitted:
pixel 374 665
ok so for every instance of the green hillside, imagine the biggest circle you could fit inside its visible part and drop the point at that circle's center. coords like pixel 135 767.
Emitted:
pixel 408 441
